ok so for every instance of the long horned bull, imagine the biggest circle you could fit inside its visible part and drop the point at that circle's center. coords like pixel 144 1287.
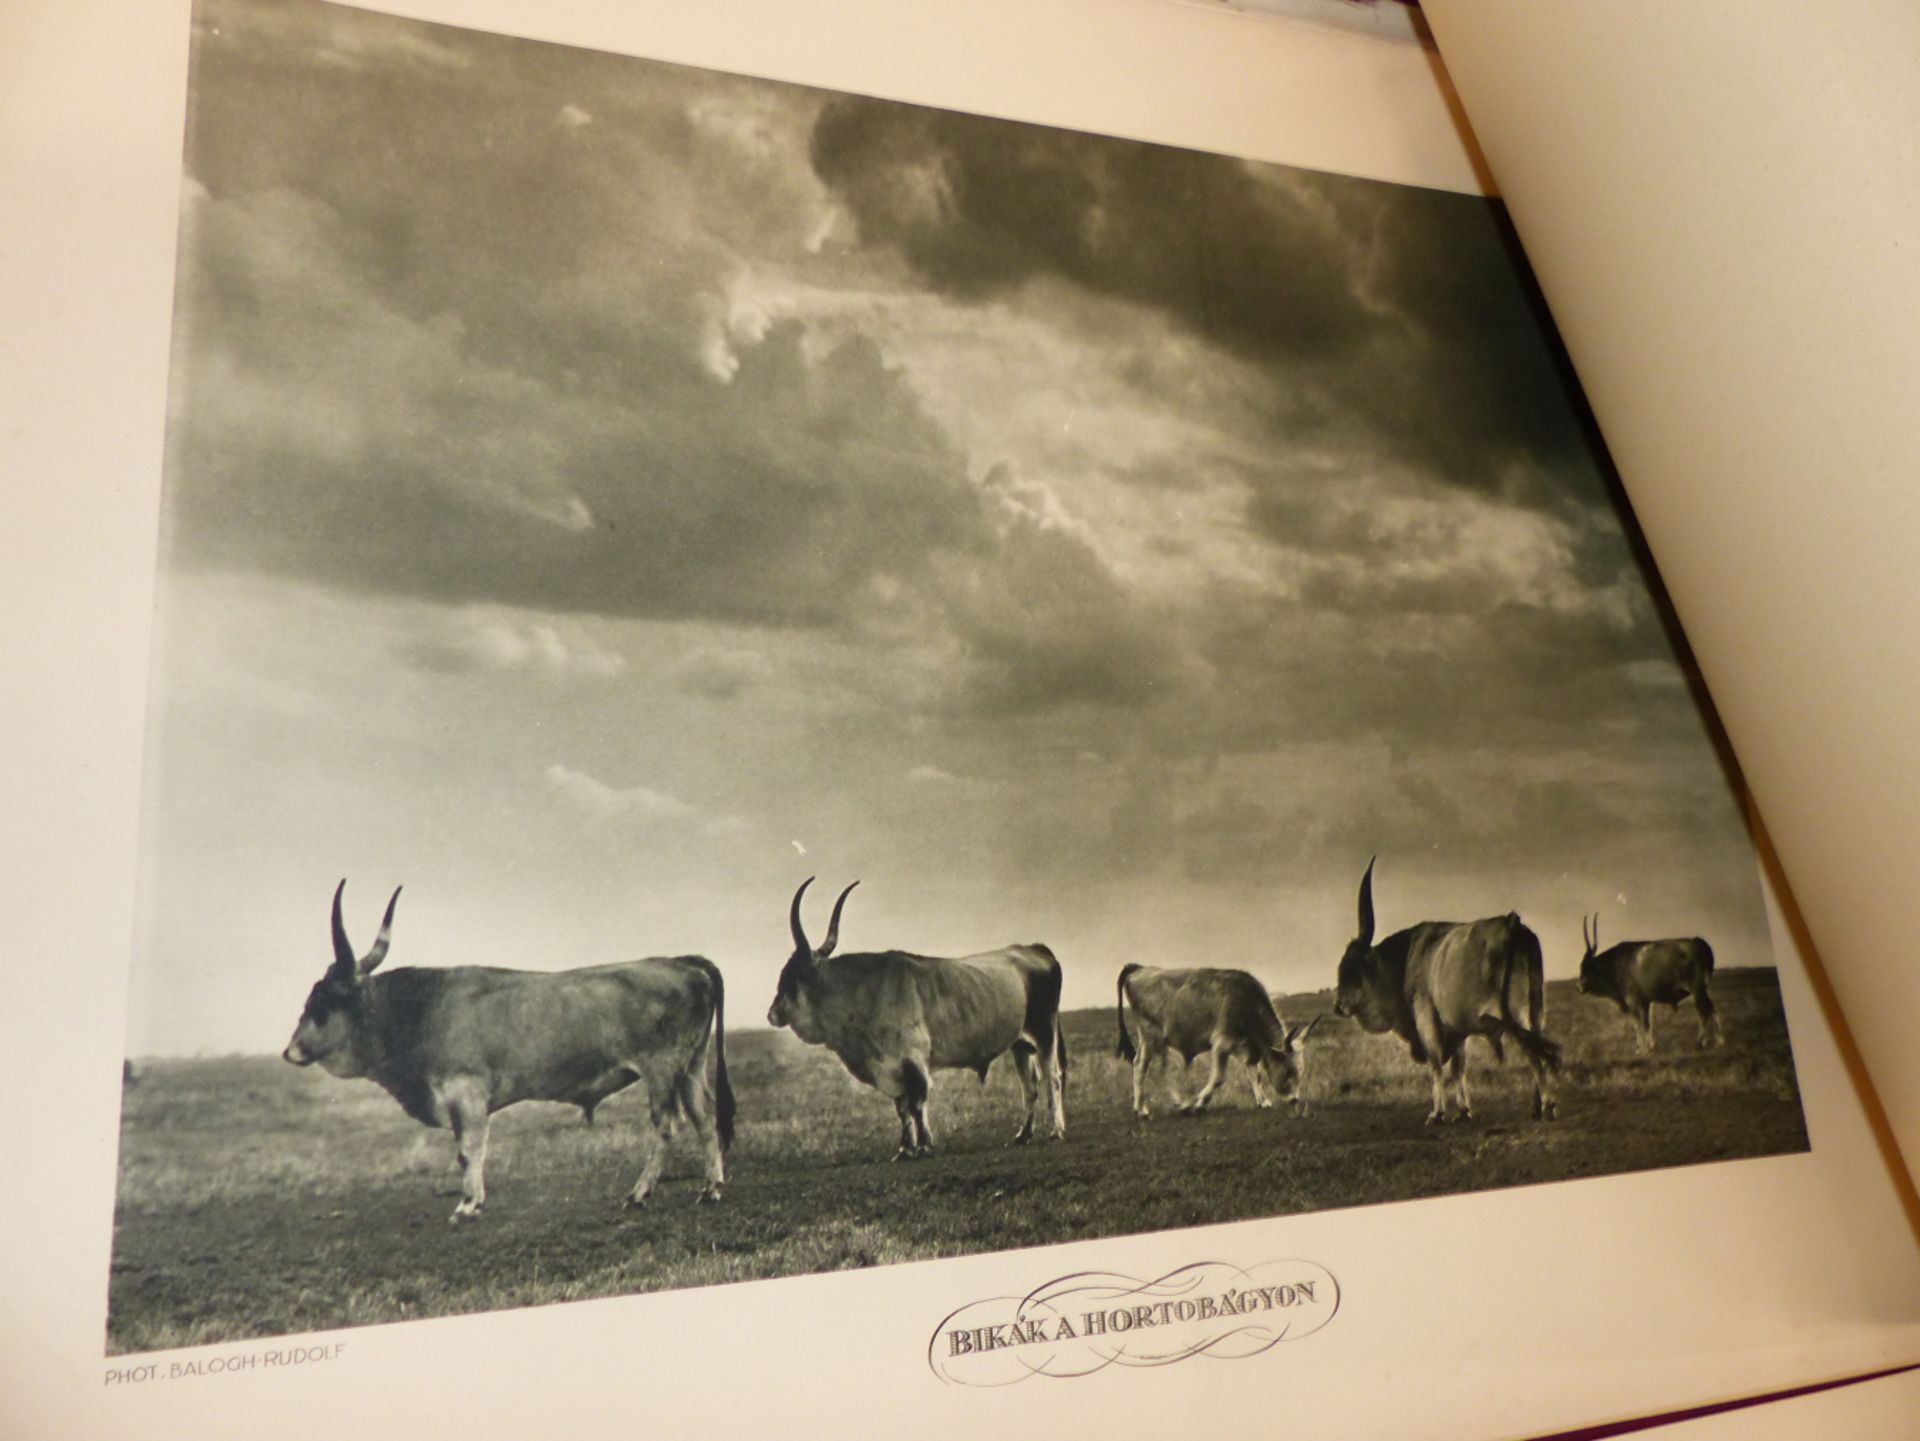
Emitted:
pixel 455 1044
pixel 893 1018
pixel 1438 983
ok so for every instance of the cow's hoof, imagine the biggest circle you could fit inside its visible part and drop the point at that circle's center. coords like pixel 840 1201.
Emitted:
pixel 463 1213
pixel 1434 1118
pixel 634 1203
pixel 708 1197
pixel 1465 1116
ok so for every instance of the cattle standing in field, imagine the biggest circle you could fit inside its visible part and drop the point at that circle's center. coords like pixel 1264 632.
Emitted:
pixel 1635 974
pixel 1440 983
pixel 1221 1013
pixel 454 1045
pixel 894 1018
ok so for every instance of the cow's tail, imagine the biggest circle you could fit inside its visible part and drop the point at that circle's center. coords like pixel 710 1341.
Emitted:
pixel 1125 1049
pixel 1706 958
pixel 1524 945
pixel 1060 1040
pixel 723 1106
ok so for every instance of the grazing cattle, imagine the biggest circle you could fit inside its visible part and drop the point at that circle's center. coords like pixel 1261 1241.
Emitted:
pixel 1635 974
pixel 454 1045
pixel 894 1018
pixel 1440 983
pixel 1222 1013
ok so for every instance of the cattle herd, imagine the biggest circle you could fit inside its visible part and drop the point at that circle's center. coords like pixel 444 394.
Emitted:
pixel 454 1045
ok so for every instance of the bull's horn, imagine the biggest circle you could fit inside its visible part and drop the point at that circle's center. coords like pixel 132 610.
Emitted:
pixel 1366 905
pixel 379 952
pixel 833 926
pixel 800 946
pixel 343 958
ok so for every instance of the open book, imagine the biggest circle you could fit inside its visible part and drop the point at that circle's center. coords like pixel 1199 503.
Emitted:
pixel 1098 475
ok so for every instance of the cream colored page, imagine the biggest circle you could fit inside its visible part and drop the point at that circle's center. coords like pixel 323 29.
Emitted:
pixel 1721 201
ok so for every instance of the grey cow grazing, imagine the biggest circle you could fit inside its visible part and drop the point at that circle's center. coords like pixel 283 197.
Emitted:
pixel 1440 983
pixel 894 1018
pixel 1218 1013
pixel 454 1045
pixel 1635 975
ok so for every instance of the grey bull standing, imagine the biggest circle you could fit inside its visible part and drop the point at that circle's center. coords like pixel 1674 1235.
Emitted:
pixel 1635 975
pixel 894 1018
pixel 1218 1013
pixel 454 1045
pixel 1438 984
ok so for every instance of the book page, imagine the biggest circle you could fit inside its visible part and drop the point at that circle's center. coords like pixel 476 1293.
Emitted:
pixel 1114 576
pixel 1720 203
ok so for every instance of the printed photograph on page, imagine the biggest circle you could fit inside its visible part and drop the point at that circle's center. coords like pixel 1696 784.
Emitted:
pixel 752 681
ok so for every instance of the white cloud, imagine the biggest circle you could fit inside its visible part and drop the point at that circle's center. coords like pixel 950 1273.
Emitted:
pixel 597 798
pixel 511 646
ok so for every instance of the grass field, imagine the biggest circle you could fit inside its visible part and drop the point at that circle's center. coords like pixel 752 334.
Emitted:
pixel 257 1199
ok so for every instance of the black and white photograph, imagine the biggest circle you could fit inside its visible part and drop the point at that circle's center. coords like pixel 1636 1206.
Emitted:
pixel 751 681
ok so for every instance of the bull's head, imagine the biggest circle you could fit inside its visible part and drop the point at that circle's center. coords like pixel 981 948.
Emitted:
pixel 337 1002
pixel 1286 1065
pixel 1590 979
pixel 792 999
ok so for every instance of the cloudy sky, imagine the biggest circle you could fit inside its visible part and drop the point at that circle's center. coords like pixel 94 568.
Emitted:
pixel 603 494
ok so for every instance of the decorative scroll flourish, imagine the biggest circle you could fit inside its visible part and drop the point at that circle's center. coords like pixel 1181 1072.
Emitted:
pixel 1088 1321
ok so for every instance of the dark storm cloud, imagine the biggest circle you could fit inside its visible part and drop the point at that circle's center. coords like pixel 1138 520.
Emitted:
pixel 980 205
pixel 376 453
pixel 458 324
pixel 461 320
pixel 1399 320
pixel 539 193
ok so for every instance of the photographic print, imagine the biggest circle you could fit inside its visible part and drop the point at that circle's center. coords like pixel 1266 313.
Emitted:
pixel 752 681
